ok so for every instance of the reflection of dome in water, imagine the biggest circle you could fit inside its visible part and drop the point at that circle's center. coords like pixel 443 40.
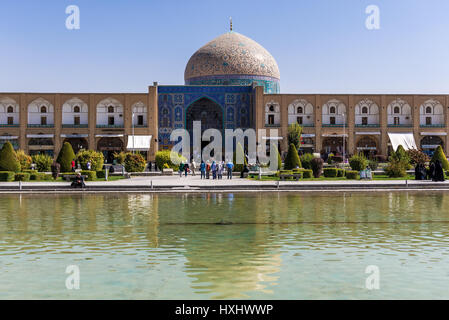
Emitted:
pixel 233 59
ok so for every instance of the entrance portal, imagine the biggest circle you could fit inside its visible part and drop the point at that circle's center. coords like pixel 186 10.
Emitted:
pixel 77 144
pixel 108 146
pixel 208 112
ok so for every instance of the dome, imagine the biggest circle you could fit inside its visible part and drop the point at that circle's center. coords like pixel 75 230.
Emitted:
pixel 233 59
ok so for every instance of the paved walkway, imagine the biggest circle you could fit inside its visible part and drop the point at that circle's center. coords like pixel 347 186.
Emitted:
pixel 175 182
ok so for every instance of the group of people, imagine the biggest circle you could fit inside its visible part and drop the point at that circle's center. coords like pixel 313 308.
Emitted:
pixel 434 172
pixel 216 169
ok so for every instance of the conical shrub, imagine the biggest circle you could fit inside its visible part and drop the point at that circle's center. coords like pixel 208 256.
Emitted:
pixel 8 159
pixel 292 160
pixel 238 167
pixel 439 155
pixel 65 157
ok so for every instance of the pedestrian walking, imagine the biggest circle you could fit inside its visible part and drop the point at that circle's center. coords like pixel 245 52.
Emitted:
pixel 203 170
pixel 220 170
pixel 181 169
pixel 207 169
pixel 213 167
pixel 193 167
pixel 186 169
pixel 229 167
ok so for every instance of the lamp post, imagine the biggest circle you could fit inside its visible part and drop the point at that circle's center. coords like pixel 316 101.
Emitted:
pixel 133 128
pixel 344 124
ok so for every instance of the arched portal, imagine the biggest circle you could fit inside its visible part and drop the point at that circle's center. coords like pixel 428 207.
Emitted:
pixel 109 145
pixel 334 145
pixel 430 143
pixel 208 112
pixel 367 145
pixel 77 143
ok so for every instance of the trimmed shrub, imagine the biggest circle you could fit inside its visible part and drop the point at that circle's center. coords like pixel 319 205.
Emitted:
pixel 91 175
pixel 239 150
pixel 358 162
pixel 7 175
pixel 39 176
pixel 66 156
pixel 292 159
pixel 286 171
pixel 298 171
pixel 306 160
pixel 134 162
pixel 373 164
pixel 417 157
pixel 101 174
pixel 351 174
pixel 340 172
pixel 307 174
pixel 22 176
pixel 163 160
pixel 8 158
pixel 396 168
pixel 43 162
pixel 439 155
pixel 96 159
pixel 24 159
pixel 30 171
pixel 120 157
pixel 294 135
pixel 317 167
pixel 330 172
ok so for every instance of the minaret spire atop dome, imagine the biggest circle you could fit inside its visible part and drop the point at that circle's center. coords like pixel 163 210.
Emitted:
pixel 230 21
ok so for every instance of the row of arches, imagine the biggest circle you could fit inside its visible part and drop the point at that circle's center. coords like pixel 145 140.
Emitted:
pixel 334 112
pixel 75 112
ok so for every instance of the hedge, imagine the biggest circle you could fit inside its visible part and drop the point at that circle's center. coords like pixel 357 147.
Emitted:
pixel 340 172
pixel 22 176
pixel 101 174
pixel 7 175
pixel 352 174
pixel 91 175
pixel 307 173
pixel 134 162
pixel 163 158
pixel 285 172
pixel 330 172
pixel 39 176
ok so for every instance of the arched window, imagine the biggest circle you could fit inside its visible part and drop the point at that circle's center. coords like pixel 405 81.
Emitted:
pixel 271 108
pixel 397 110
pixel 43 109
pixel 110 109
pixel 332 110
pixel 299 110
pixel 364 110
pixel 428 110
pixel 10 109
pixel 76 109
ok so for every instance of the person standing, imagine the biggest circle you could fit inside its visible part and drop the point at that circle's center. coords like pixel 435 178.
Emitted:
pixel 181 169
pixel 229 167
pixel 193 167
pixel 73 165
pixel 186 169
pixel 203 170
pixel 88 165
pixel 207 169
pixel 214 170
pixel 220 170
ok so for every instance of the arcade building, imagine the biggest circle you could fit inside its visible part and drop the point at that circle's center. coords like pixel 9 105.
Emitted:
pixel 231 82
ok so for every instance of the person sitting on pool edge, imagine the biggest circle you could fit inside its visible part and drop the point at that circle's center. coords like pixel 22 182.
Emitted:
pixel 78 181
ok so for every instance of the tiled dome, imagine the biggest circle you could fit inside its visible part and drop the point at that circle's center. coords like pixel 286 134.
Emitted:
pixel 229 57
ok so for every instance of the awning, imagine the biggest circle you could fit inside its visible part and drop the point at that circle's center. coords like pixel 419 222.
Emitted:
pixel 367 133
pixel 433 133
pixel 40 135
pixel 139 143
pixel 335 135
pixel 111 135
pixel 272 138
pixel 74 135
pixel 9 137
pixel 366 148
pixel 308 135
pixel 406 140
pixel 430 146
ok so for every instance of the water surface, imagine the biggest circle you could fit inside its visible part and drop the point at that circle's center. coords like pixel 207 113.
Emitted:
pixel 225 246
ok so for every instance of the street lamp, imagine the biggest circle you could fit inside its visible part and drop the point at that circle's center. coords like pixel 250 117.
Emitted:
pixel 344 124
pixel 133 128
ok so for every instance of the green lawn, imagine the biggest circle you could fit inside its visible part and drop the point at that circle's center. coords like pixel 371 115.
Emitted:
pixel 322 178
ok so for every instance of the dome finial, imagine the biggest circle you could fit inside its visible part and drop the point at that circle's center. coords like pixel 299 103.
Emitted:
pixel 230 21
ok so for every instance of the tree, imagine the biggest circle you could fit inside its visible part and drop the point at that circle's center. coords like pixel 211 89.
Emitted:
pixel 43 162
pixel 96 159
pixel 317 166
pixel 65 157
pixel 8 159
pixel 417 157
pixel 134 162
pixel 294 135
pixel 238 167
pixel 292 159
pixel 24 159
pixel 439 155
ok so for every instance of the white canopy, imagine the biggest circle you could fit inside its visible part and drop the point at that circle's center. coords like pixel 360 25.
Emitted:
pixel 406 140
pixel 139 143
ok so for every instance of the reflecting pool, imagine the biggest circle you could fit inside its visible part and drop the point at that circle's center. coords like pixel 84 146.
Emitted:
pixel 225 246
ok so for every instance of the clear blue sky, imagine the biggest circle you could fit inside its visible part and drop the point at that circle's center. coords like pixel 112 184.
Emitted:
pixel 321 46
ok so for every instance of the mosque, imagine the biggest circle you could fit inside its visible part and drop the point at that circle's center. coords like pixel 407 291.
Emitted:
pixel 231 82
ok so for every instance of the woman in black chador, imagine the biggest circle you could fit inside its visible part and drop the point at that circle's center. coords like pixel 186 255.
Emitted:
pixel 431 171
pixel 438 174
pixel 420 172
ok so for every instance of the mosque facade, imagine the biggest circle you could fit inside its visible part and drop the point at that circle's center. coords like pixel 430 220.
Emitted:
pixel 231 82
